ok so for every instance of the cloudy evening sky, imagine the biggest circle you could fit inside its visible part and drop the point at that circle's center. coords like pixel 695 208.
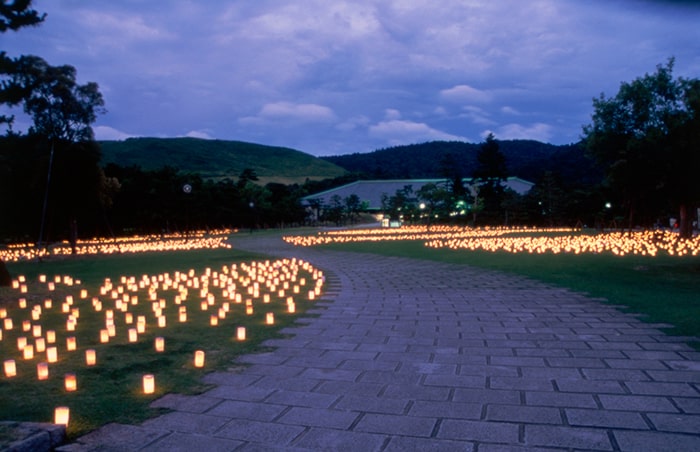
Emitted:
pixel 333 77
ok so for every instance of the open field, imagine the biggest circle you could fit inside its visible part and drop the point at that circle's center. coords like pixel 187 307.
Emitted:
pixel 220 291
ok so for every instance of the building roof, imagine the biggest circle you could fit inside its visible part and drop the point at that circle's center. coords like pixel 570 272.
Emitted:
pixel 371 191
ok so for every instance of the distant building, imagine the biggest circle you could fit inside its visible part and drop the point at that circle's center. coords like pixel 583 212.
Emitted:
pixel 371 192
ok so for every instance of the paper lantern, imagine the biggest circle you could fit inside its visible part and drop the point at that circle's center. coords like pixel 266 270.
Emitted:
pixel 21 343
pixel 133 335
pixel 149 384
pixel 70 382
pixel 28 352
pixel 182 316
pixel 42 371
pixel 61 415
pixel 22 303
pixel 266 298
pixel 10 367
pixel 160 344
pixel 7 323
pixel 40 344
pixel 111 330
pixel 71 343
pixel 162 321
pixel 42 278
pixel 50 337
pixel 291 308
pixel 213 320
pixel 270 318
pixel 240 333
pixel 199 358
pixel 129 318
pixel 104 336
pixel 90 357
pixel 52 354
pixel 48 303
pixel 26 325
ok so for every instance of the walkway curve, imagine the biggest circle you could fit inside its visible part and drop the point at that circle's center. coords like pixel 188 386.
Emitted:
pixel 418 355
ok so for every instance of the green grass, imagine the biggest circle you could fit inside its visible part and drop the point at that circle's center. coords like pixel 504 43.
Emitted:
pixel 664 288
pixel 111 391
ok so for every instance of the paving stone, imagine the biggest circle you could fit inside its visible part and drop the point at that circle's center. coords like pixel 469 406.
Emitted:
pixel 637 403
pixel 457 410
pixel 260 432
pixel 657 441
pixel 497 432
pixel 179 421
pixel 303 398
pixel 192 404
pixel 317 417
pixel 372 404
pixel 560 399
pixel 340 440
pixel 660 388
pixel 523 414
pixel 234 409
pixel 570 437
pixel 396 425
pixel 408 443
pixel 187 442
pixel 681 423
pixel 605 419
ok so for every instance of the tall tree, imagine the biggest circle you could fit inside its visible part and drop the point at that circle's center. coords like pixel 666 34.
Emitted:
pixel 645 137
pixel 489 175
pixel 15 14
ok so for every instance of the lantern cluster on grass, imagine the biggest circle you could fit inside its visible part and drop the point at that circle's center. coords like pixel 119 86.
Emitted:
pixel 518 240
pixel 129 310
pixel 134 244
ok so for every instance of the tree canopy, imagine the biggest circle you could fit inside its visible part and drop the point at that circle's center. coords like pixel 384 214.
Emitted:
pixel 646 139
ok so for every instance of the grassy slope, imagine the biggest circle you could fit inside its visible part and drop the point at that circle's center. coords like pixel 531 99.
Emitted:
pixel 110 391
pixel 218 158
pixel 664 288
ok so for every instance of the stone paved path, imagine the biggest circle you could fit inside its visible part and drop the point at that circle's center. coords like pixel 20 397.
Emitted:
pixel 413 355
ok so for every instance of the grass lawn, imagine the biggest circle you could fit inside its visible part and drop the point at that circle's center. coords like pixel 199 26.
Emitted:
pixel 665 288
pixel 111 391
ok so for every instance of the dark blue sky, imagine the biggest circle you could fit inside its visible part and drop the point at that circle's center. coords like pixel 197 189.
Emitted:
pixel 336 77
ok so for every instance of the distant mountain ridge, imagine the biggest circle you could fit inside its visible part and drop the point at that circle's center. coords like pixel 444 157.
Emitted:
pixel 218 159
pixel 526 159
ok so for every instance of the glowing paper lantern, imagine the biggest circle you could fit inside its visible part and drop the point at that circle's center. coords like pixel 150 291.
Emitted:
pixel 133 335
pixel 40 344
pixel 160 344
pixel 270 318
pixel 240 333
pixel 90 357
pixel 149 384
pixel 42 371
pixel 50 336
pixel 71 343
pixel 104 336
pixel 61 415
pixel 52 354
pixel 21 343
pixel 70 382
pixel 7 323
pixel 28 352
pixel 162 321
pixel 10 367
pixel 199 358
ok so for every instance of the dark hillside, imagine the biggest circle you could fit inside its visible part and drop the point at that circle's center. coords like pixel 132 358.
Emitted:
pixel 526 159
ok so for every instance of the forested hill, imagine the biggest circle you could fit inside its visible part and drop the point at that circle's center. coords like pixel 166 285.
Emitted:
pixel 219 158
pixel 526 159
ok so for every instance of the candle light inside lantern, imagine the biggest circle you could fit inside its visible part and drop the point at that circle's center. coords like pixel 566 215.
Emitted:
pixel 149 384
pixel 160 344
pixel 213 320
pixel 7 323
pixel 104 336
pixel 61 415
pixel 10 367
pixel 42 371
pixel 162 321
pixel 36 330
pixel 21 343
pixel 70 382
pixel 270 318
pixel 52 354
pixel 133 335
pixel 240 333
pixel 71 343
pixel 28 351
pixel 291 308
pixel 40 344
pixel 50 336
pixel 199 358
pixel 90 357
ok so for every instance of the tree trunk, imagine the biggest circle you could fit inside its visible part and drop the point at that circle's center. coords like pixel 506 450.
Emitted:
pixel 5 278
pixel 684 223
